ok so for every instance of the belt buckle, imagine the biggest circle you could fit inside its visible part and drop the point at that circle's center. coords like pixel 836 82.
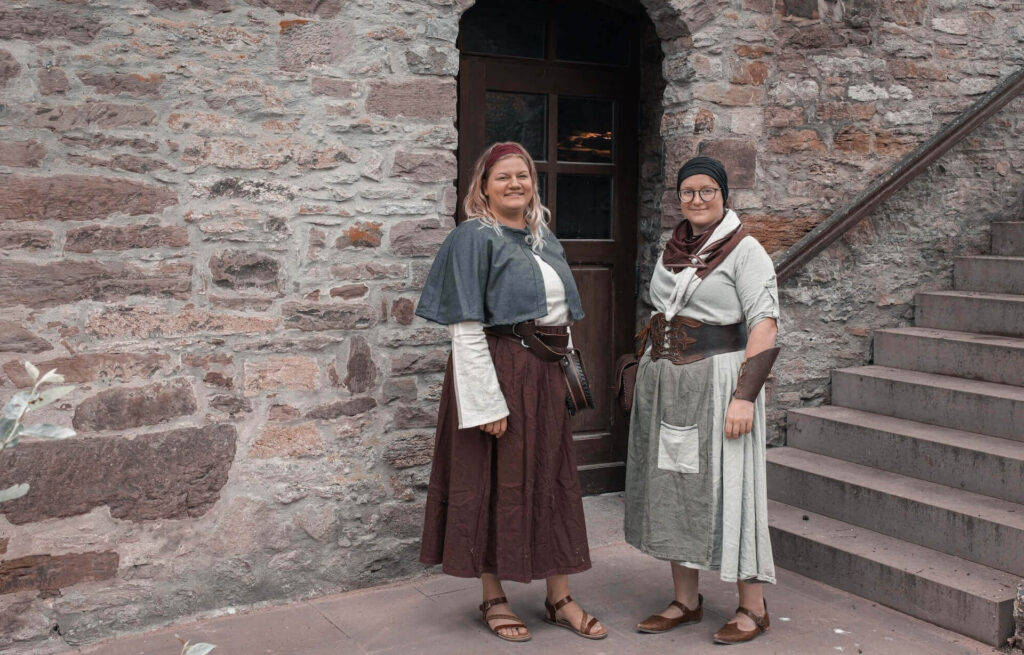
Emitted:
pixel 516 334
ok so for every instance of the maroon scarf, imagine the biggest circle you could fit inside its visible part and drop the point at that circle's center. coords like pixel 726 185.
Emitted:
pixel 681 250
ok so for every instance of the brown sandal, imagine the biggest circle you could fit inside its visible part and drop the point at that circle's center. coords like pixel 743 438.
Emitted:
pixel 585 626
pixel 730 633
pixel 516 622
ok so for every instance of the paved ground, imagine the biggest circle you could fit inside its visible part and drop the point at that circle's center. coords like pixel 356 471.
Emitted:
pixel 437 614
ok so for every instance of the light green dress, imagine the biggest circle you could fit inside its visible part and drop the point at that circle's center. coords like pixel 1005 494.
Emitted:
pixel 693 496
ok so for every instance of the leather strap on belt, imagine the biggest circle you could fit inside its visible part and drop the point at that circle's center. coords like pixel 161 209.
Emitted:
pixel 549 342
pixel 684 340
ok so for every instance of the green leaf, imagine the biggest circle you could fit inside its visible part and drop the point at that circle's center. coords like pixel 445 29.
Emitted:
pixel 54 393
pixel 32 370
pixel 17 405
pixel 51 376
pixel 47 431
pixel 17 491
pixel 199 649
pixel 8 426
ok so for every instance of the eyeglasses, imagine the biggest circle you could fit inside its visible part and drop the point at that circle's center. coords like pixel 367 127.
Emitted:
pixel 707 194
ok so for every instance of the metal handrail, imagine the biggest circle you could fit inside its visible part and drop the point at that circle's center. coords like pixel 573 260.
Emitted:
pixel 897 177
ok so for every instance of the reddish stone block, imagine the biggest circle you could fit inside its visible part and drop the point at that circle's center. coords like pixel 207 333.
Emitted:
pixel 424 167
pixel 218 379
pixel 903 12
pixel 310 44
pixel 403 310
pixel 231 405
pixel 21 153
pixel 370 271
pixel 79 198
pixel 147 322
pixel 25 239
pixel 890 145
pixel 122 162
pixel 775 116
pixel 287 441
pixel 163 475
pixel 16 339
pixel 3 545
pixel 105 141
pixel 752 51
pixel 797 141
pixel 410 450
pixel 52 81
pixel 738 156
pixel 321 8
pixel 400 389
pixel 329 86
pixel 427 99
pixel 431 361
pixel 242 269
pixel 282 413
pixel 850 139
pixel 102 237
pixel 124 408
pixel 118 83
pixel 703 122
pixel 418 237
pixel 776 233
pixel 34 25
pixel 407 416
pixel 89 367
pixel 361 372
pixel 340 408
pixel 9 67
pixel 904 69
pixel 90 114
pixel 860 111
pixel 50 573
pixel 729 96
pixel 56 283
pixel 289 372
pixel 361 235
pixel 755 72
pixel 349 291
pixel 316 316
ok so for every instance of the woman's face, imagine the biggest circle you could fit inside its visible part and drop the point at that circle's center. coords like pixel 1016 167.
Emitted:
pixel 701 213
pixel 509 188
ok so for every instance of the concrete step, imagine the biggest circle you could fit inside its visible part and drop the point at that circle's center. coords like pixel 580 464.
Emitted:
pixel 996 410
pixel 954 593
pixel 963 354
pixel 971 311
pixel 954 458
pixel 1008 238
pixel 985 530
pixel 991 273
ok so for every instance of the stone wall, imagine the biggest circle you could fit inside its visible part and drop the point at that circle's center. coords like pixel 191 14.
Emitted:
pixel 215 217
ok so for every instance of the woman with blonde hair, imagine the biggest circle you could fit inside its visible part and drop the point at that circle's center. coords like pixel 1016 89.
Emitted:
pixel 504 499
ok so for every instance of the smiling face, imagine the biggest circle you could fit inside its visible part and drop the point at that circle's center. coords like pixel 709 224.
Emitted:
pixel 701 213
pixel 509 189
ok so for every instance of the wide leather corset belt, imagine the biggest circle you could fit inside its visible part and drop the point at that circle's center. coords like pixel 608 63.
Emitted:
pixel 684 340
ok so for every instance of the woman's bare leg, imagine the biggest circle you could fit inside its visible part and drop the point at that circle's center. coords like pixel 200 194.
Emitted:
pixel 492 589
pixel 685 582
pixel 558 588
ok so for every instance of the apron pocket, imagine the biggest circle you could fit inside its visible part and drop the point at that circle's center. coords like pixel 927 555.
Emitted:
pixel 678 448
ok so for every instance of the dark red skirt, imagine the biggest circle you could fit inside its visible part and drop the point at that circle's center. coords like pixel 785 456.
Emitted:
pixel 509 506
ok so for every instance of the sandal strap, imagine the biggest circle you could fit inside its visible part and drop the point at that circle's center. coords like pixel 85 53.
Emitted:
pixel 590 624
pixel 494 617
pixel 758 620
pixel 562 603
pixel 488 604
pixel 495 628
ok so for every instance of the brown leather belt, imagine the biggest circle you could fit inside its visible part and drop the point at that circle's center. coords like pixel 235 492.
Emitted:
pixel 549 342
pixel 684 340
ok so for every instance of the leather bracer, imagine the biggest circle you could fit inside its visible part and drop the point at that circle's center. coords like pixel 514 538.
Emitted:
pixel 753 374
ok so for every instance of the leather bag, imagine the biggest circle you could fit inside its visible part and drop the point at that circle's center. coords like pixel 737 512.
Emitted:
pixel 625 381
pixel 577 388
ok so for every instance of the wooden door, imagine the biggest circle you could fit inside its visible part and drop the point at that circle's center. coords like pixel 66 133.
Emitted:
pixel 562 79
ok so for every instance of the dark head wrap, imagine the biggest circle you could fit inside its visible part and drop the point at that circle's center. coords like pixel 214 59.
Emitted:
pixel 706 166
pixel 503 150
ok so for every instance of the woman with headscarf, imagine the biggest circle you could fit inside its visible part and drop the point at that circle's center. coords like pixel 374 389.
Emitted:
pixel 695 470
pixel 504 500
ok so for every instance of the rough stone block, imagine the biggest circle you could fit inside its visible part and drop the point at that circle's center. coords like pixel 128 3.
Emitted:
pixel 850 139
pixel 431 361
pixel 739 157
pixel 50 573
pixel 401 520
pixel 340 408
pixel 52 81
pixel 400 389
pixel 411 416
pixel 427 99
pixel 181 5
pixel 730 95
pixel 57 283
pixel 349 291
pixel 287 441
pixel 231 405
pixel 79 198
pixel 118 83
pixel 124 408
pixel 320 8
pixel 127 237
pixel 317 316
pixel 103 115
pixel 775 116
pixel 148 322
pixel 424 167
pixel 305 44
pixel 797 141
pixel 754 72
pixel 27 239
pixel 403 310
pixel 21 153
pixel 34 25
pixel 242 269
pixel 361 372
pixel 294 372
pixel 776 233
pixel 410 450
pixel 9 67
pixel 327 86
pixel 858 111
pixel 77 369
pixel 16 339
pixel 365 234
pixel 418 237
pixel 163 475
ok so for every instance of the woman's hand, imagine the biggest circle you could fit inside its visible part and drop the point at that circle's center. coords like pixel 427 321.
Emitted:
pixel 497 428
pixel 739 418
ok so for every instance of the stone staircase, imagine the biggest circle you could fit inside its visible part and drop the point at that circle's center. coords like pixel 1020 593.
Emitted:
pixel 909 489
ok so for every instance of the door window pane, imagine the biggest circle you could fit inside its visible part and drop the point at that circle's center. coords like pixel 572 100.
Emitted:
pixel 520 117
pixel 591 32
pixel 585 129
pixel 499 27
pixel 584 207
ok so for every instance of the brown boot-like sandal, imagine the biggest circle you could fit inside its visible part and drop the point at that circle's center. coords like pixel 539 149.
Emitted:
pixel 656 623
pixel 486 606
pixel 585 627
pixel 730 633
